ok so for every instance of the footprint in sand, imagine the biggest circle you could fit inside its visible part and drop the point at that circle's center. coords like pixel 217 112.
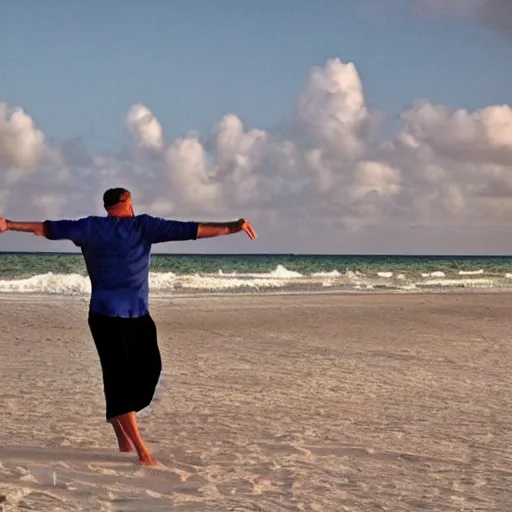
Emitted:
pixel 104 470
pixel 32 499
pixel 261 485
pixel 40 500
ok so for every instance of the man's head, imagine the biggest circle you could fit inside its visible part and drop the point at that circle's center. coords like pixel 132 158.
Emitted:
pixel 118 202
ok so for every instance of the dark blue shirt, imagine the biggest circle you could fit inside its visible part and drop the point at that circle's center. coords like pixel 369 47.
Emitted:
pixel 117 256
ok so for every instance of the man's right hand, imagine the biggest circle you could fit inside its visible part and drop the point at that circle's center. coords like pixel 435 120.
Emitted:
pixel 3 225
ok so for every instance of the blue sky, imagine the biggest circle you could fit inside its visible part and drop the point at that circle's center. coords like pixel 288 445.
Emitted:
pixel 76 68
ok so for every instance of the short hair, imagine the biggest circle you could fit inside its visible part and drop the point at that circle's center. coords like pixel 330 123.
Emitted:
pixel 114 196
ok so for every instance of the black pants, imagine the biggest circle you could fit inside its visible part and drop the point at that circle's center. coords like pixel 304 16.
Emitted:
pixel 130 361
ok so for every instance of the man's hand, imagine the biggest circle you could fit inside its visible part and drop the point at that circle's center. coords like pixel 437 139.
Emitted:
pixel 3 225
pixel 243 225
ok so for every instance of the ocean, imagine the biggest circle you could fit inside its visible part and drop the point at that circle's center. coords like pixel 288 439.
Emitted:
pixel 65 274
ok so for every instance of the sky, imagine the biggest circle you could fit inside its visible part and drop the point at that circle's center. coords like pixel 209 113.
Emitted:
pixel 355 127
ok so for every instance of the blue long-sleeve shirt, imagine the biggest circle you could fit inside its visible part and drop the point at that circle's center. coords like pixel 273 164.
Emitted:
pixel 117 252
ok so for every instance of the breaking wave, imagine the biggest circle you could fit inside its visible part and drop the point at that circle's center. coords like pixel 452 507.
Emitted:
pixel 280 278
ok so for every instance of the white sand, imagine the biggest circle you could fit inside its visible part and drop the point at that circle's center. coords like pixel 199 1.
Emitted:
pixel 269 403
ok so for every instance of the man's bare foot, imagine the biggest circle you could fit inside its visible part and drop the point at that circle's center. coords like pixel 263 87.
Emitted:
pixel 126 426
pixel 146 459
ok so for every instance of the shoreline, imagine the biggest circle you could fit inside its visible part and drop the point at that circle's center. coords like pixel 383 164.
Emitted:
pixel 160 299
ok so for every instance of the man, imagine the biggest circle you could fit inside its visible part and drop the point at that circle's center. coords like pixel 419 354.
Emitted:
pixel 116 250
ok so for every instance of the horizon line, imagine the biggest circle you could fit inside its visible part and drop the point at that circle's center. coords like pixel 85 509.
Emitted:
pixel 394 255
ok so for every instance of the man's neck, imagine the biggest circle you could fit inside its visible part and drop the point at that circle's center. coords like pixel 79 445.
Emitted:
pixel 120 210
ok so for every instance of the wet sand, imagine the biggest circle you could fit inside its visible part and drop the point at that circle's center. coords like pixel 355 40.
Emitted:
pixel 272 403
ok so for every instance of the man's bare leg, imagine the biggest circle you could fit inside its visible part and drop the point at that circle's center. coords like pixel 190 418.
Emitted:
pixel 128 423
pixel 125 445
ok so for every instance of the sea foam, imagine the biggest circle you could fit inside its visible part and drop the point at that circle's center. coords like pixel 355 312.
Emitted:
pixel 159 282
pixel 332 274
pixel 163 283
pixel 59 284
pixel 437 273
pixel 471 272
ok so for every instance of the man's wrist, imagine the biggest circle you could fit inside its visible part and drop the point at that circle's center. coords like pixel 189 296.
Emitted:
pixel 233 227
pixel 209 229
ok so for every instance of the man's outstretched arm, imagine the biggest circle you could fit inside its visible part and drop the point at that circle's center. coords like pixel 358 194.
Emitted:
pixel 74 230
pixel 211 229
pixel 36 228
pixel 157 230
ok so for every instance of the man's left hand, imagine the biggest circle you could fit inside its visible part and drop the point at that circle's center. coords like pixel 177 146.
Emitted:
pixel 246 226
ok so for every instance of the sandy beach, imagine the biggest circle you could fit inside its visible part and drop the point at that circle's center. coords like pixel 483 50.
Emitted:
pixel 268 403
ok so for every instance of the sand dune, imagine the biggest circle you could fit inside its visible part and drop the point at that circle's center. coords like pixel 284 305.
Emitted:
pixel 268 403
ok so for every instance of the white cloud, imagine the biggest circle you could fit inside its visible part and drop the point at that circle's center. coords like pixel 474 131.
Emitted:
pixel 333 108
pixel 484 135
pixel 21 143
pixel 239 154
pixel 322 173
pixel 191 179
pixel 375 178
pixel 144 127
